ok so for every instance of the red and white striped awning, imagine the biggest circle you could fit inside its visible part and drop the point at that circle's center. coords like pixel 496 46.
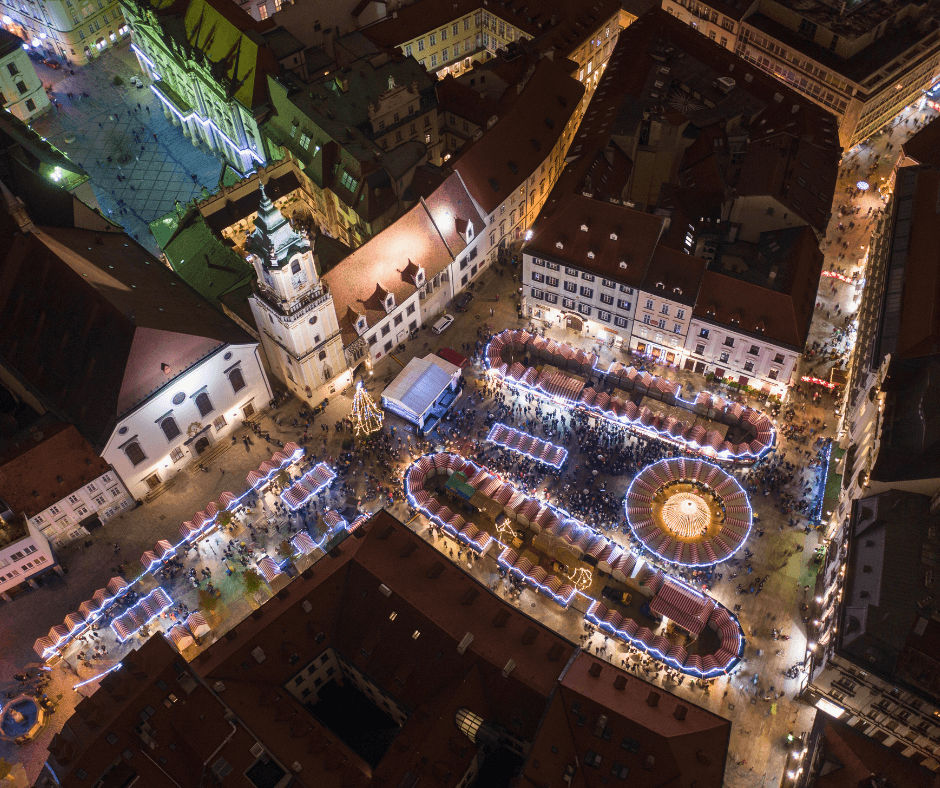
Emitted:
pixel 74 621
pixel 303 544
pixel 182 638
pixel 268 568
pixel 117 584
pixel 123 627
pixel 161 599
pixel 44 645
pixel 148 559
pixel 226 501
pixel 164 549
pixel 188 531
pixel 682 605
pixel 197 624
pixel 88 608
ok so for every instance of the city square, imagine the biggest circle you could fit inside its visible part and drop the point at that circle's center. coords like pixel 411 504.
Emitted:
pixel 637 451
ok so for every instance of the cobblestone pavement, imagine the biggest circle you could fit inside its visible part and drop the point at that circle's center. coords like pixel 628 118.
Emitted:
pixel 120 136
pixel 758 749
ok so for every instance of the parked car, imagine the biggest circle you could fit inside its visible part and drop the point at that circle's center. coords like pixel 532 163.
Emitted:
pixel 442 324
pixel 463 301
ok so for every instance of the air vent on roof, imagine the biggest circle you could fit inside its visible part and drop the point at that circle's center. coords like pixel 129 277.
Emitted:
pixel 384 590
pixel 595 670
pixel 465 643
pixel 218 686
pixel 258 653
pixel 536 145
pixel 257 749
pixel 529 636
pixel 555 652
pixel 513 167
pixel 653 698
pixel 494 184
pixel 778 97
pixel 726 84
pixel 794 109
pixel 680 712
pixel 563 101
pixel 620 682
pixel 307 607
pixel 435 571
pixel 408 550
pixel 550 123
pixel 501 619
pixel 509 668
pixel 469 597
pixel 748 78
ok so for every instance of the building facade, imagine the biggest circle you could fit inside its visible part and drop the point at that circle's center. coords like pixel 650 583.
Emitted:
pixel 21 90
pixel 864 63
pixel 294 313
pixel 69 30
pixel 24 555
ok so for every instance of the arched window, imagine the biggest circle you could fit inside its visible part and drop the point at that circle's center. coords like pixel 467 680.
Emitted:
pixel 204 404
pixel 170 428
pixel 237 380
pixel 134 453
pixel 295 267
pixel 313 320
pixel 322 355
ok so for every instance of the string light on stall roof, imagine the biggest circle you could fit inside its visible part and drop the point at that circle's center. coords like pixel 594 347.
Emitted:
pixel 367 418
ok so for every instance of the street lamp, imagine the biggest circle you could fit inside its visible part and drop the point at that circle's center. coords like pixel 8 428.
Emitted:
pixel 863 186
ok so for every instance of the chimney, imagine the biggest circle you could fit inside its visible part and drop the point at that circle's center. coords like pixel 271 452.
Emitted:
pixel 680 712
pixel 595 670
pixel 652 699
pixel 620 682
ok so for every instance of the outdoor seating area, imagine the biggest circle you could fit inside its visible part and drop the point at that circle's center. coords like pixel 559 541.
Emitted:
pixel 523 443
pixel 688 511
pixel 562 373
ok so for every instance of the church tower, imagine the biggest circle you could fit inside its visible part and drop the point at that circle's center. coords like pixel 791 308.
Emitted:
pixel 292 309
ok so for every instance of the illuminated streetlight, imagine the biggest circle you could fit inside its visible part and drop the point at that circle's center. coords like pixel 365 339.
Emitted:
pixel 863 186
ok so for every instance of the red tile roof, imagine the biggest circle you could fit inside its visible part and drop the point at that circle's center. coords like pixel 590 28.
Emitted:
pixel 674 275
pixel 924 146
pixel 601 719
pixel 562 220
pixel 30 474
pixel 519 142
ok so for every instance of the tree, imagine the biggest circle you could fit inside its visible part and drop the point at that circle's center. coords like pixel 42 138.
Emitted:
pixel 252 580
pixel 287 549
pixel 366 416
pixel 206 600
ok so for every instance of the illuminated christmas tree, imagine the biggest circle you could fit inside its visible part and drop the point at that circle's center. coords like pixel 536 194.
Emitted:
pixel 366 417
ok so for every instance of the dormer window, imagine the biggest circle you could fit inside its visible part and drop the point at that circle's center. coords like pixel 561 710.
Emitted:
pixel 389 302
pixel 677 290
pixel 584 227
pixel 419 277
pixel 559 244
pixel 623 263
pixel 361 325
pixel 661 285
pixel 613 236
pixel 590 255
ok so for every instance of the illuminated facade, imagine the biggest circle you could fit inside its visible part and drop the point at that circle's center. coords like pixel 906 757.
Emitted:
pixel 72 30
pixel 21 90
pixel 24 554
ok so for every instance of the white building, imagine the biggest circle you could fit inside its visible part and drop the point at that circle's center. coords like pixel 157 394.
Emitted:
pixel 21 90
pixel 293 311
pixel 100 334
pixel 56 479
pixel 24 554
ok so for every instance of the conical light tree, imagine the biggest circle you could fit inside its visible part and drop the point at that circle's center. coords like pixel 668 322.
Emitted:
pixel 366 416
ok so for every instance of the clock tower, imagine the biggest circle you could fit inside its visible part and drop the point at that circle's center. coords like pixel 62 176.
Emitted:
pixel 292 309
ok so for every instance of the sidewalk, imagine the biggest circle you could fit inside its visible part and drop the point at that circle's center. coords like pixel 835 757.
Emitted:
pixel 155 167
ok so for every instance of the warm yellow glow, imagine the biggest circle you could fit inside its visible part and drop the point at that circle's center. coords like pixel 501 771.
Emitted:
pixel 686 514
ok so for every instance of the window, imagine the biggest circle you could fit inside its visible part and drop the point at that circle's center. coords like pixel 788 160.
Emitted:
pixel 551 266
pixel 592 759
pixel 571 272
pixel 677 328
pixel 625 289
pixel 536 293
pixel 349 182
pixel 649 303
pixel 703 333
pixel 263 11
pixel 620 321
pixel 571 287
pixel 236 379
pixel 177 454
pixel 388 346
pixel 723 358
pixel 754 350
pixel 219 423
pixel 664 309
pixel 551 298
pixel 407 50
pixel 537 277
pixel 778 359
pixel 587 292
pixel 421 45
pixel 606 298
pixel 661 323
pixel 21 87
pixel 204 404
pixel 432 39
pixel 602 315
pixel 646 319
pixel 30 104
pixel 700 350
pixel 170 428
pixel 680 314
pixel 134 453
pixel 773 374
pixel 729 342
pixel 748 366
pixel 567 303
pixel 584 309
pixel 73 499
pixel 587 277
pixel 551 281
pixel 11 67
pixel 608 283
pixel 624 305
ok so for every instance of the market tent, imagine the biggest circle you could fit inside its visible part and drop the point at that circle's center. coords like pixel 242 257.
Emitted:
pixel 197 624
pixel 419 386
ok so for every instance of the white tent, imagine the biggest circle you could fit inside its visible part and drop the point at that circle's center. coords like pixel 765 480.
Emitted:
pixel 419 387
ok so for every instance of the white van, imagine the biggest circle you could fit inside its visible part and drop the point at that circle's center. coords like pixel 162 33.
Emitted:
pixel 442 324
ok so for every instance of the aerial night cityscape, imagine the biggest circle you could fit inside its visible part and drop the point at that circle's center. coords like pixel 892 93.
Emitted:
pixel 498 393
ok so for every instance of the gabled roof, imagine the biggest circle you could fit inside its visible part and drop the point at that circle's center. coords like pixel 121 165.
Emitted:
pixel 600 721
pixel 43 470
pixel 505 156
pixel 92 322
pixel 584 227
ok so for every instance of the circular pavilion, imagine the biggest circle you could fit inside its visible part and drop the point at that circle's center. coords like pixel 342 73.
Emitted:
pixel 688 511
